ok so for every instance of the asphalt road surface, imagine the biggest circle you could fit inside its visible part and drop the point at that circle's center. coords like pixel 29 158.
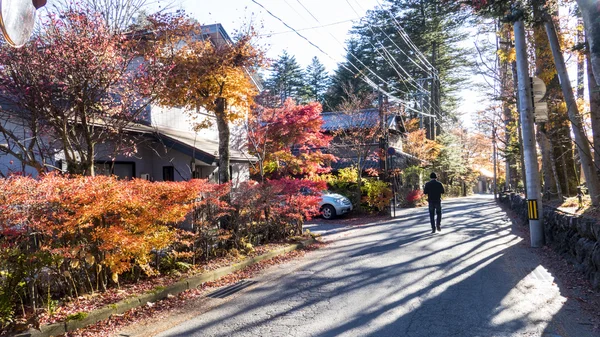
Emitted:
pixel 394 278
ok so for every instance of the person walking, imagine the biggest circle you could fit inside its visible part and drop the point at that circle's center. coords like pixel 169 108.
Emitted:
pixel 434 190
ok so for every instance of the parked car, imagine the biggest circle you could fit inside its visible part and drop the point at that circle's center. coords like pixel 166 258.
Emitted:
pixel 333 204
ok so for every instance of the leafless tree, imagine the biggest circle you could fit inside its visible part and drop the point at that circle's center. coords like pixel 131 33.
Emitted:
pixel 121 14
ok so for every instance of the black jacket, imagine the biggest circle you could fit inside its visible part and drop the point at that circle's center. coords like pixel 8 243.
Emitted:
pixel 434 190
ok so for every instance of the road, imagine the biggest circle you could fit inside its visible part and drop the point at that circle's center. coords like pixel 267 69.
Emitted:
pixel 394 278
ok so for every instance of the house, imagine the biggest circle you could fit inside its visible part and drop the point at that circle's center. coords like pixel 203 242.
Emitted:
pixel 166 146
pixel 367 148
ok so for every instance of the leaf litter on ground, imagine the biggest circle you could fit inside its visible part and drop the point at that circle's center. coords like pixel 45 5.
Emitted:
pixel 163 308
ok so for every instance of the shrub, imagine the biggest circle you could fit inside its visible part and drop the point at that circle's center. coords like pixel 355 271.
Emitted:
pixel 273 210
pixel 376 193
pixel 415 198
pixel 62 236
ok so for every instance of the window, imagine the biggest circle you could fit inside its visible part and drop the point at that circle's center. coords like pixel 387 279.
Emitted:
pixel 168 173
pixel 123 170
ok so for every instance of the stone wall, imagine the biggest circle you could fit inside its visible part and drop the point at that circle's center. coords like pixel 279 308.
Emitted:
pixel 575 237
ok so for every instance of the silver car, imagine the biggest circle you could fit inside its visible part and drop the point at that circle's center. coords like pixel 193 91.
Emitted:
pixel 333 204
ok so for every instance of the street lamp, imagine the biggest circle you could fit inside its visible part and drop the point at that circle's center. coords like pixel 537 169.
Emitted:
pixel 17 19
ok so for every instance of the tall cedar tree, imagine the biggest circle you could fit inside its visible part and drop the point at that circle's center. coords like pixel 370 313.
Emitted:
pixel 316 81
pixel 214 76
pixel 72 87
pixel 435 28
pixel 347 79
pixel 287 78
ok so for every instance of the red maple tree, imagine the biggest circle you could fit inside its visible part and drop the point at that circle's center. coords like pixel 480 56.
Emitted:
pixel 288 140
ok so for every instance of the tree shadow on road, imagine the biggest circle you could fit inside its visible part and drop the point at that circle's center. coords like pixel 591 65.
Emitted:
pixel 473 279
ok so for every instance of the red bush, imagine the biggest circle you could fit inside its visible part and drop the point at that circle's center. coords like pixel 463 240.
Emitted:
pixel 414 196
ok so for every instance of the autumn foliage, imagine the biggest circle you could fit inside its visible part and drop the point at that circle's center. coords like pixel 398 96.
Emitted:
pixel 67 236
pixel 73 87
pixel 289 141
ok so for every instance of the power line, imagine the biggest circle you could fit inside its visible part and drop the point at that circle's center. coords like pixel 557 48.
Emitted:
pixel 372 84
pixel 412 45
pixel 406 38
pixel 432 105
pixel 310 28
pixel 363 77
pixel 390 56
pixel 346 49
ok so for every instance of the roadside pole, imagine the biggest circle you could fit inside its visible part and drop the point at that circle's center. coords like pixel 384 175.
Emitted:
pixel 495 161
pixel 534 200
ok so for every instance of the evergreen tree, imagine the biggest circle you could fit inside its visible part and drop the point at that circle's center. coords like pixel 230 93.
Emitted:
pixel 286 80
pixel 379 46
pixel 316 81
pixel 347 80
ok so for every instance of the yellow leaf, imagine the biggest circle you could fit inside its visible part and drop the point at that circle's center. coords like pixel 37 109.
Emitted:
pixel 74 264
pixel 90 259
pixel 115 277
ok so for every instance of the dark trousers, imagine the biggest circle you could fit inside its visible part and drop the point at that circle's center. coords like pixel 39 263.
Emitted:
pixel 435 207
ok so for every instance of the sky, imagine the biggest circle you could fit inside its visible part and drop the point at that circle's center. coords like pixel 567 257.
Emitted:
pixel 328 29
pixel 325 23
pixel 337 15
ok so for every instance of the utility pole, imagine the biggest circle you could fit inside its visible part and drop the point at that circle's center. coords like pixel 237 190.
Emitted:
pixel 435 92
pixel 519 129
pixel 534 200
pixel 383 136
pixel 495 161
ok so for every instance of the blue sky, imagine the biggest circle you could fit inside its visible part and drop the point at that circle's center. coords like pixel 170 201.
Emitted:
pixel 338 15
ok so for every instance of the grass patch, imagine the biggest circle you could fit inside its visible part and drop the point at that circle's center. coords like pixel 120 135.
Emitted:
pixel 77 317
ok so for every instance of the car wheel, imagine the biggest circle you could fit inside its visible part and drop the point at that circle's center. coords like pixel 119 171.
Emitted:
pixel 328 212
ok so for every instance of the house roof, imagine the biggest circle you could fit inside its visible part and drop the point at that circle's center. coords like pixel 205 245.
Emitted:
pixel 336 120
pixel 190 144
pixel 399 159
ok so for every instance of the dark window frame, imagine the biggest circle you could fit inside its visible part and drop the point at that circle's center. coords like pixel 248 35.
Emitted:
pixel 111 165
pixel 168 170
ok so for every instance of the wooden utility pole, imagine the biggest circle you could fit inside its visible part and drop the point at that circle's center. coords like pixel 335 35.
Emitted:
pixel 534 200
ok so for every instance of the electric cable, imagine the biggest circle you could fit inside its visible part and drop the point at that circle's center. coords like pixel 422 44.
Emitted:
pixel 358 73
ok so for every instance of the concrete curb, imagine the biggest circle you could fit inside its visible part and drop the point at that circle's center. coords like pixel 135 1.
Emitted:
pixel 157 295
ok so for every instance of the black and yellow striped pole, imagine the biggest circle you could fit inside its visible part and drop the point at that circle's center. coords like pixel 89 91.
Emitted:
pixel 532 209
pixel 534 200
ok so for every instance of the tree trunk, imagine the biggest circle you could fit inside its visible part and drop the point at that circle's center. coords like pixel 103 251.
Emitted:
pixel 224 135
pixel 581 141
pixel 591 20
pixel 522 153
pixel 566 173
pixel 594 97
pixel 547 162
pixel 580 62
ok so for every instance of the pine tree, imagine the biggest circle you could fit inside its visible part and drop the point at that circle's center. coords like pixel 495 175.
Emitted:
pixel 286 80
pixel 316 80
pixel 379 50
pixel 346 80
